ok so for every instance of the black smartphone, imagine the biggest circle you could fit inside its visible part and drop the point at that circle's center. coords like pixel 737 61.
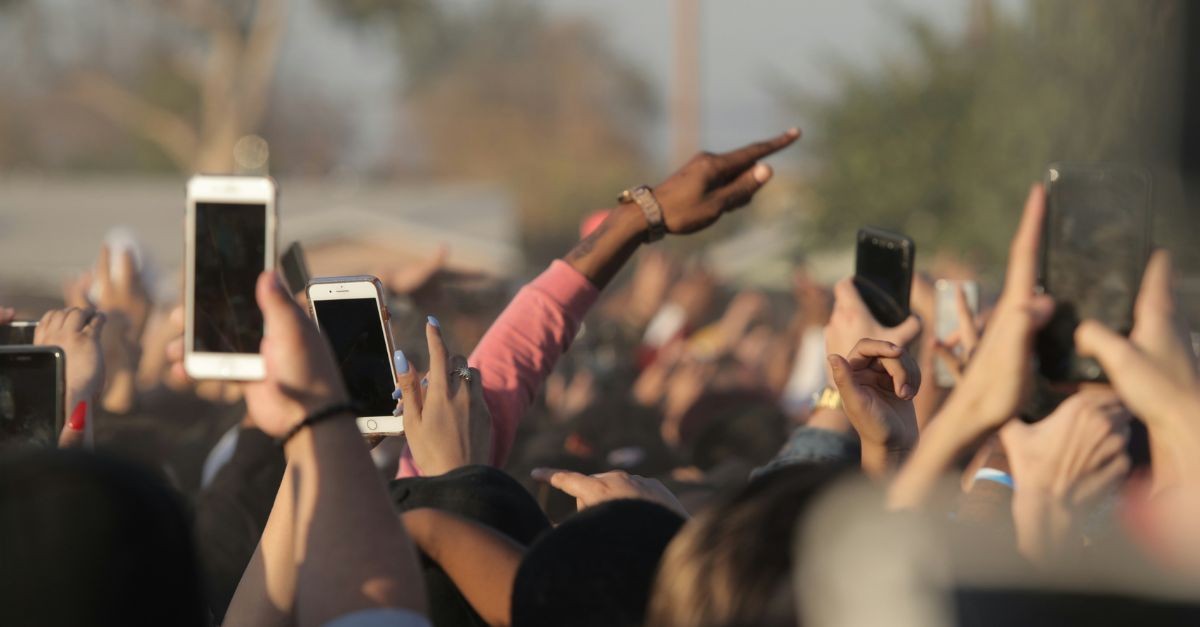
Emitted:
pixel 1095 243
pixel 32 385
pixel 294 268
pixel 17 332
pixel 883 273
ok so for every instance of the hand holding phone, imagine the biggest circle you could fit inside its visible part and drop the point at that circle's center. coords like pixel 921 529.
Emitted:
pixel 351 315
pixel 953 315
pixel 1096 241
pixel 230 242
pixel 883 273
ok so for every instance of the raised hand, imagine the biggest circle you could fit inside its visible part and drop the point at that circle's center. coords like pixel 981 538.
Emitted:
pixel 710 185
pixel 1154 372
pixel 592 490
pixel 301 375
pixel 877 381
pixel 956 350
pixel 999 374
pixel 851 321
pixel 447 423
pixel 1063 464
pixel 77 332
pixel 998 377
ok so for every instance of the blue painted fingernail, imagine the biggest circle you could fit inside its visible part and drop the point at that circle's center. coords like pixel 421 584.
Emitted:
pixel 397 412
pixel 401 362
pixel 433 321
pixel 398 394
pixel 425 382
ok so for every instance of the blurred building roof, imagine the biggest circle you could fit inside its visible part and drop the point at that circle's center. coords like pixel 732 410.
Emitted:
pixel 51 227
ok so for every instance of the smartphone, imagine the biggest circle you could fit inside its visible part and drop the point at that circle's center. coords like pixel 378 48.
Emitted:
pixel 230 240
pixel 351 313
pixel 294 268
pixel 946 311
pixel 883 273
pixel 17 332
pixel 1095 243
pixel 32 389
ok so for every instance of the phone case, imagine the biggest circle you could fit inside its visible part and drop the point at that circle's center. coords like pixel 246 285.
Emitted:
pixel 1055 343
pixel 890 309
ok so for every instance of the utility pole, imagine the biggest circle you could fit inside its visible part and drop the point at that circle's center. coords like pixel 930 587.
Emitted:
pixel 685 83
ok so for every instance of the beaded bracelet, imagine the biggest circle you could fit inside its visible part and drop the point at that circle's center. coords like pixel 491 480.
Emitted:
pixel 313 418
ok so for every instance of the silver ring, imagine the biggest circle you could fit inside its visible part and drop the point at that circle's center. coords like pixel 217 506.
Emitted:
pixel 464 373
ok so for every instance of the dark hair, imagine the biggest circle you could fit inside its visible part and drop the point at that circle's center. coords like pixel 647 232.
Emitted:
pixel 732 564
pixel 597 568
pixel 86 540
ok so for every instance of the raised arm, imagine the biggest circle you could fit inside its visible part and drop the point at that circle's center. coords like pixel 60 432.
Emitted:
pixel 523 345
pixel 346 548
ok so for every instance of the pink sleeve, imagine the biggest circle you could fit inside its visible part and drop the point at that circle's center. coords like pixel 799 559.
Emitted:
pixel 521 347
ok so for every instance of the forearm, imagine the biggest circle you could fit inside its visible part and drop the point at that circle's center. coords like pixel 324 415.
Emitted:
pixel 266 595
pixel 879 460
pixel 481 562
pixel 941 443
pixel 350 550
pixel 603 253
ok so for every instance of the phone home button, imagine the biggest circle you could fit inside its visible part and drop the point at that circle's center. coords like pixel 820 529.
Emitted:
pixel 372 425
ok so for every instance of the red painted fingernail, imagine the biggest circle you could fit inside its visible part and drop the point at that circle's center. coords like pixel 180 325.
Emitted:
pixel 78 417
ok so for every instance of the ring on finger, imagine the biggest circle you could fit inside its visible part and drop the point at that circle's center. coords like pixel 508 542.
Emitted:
pixel 463 373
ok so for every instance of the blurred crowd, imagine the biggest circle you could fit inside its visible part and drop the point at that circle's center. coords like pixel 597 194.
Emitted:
pixel 637 446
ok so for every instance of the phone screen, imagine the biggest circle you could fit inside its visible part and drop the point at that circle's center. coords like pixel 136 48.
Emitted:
pixel 883 274
pixel 29 403
pixel 230 248
pixel 1096 246
pixel 355 331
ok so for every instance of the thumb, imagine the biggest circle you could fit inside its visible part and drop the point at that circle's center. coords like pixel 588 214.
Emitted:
pixel 409 390
pixel 74 433
pixel 281 314
pixel 739 191
pixel 1095 340
pixel 907 331
pixel 843 378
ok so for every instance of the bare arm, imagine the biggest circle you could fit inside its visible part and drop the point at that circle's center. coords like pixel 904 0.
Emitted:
pixel 482 562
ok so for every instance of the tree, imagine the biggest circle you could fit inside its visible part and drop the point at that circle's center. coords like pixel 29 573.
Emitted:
pixel 944 144
pixel 504 92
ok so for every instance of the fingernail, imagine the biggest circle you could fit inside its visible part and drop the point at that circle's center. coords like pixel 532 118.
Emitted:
pixel 396 413
pixel 401 362
pixel 762 173
pixel 906 391
pixel 425 382
pixel 78 417
pixel 433 321
pixel 398 394
pixel 794 132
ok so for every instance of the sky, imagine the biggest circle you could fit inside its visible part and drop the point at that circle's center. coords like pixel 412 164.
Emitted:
pixel 749 49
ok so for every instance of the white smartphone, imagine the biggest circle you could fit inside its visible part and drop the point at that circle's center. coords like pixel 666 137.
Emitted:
pixel 946 312
pixel 351 314
pixel 230 240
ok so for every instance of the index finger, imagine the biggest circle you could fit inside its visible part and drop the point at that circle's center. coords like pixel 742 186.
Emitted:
pixel 1022 253
pixel 867 350
pixel 439 357
pixel 574 483
pixel 737 161
pixel 103 269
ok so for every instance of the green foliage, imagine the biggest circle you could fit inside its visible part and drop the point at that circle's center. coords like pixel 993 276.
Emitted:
pixel 944 144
